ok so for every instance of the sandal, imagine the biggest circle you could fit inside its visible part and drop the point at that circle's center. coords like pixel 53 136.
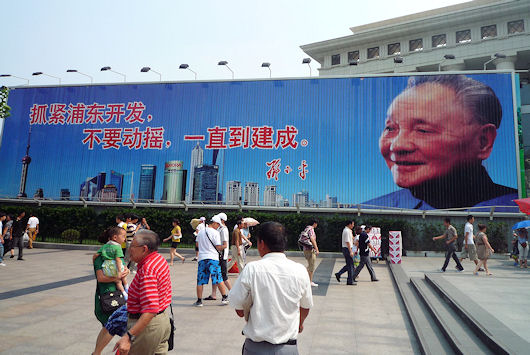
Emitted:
pixel 183 260
pixel 210 298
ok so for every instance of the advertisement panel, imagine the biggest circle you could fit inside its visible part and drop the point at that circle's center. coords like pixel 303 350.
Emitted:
pixel 418 142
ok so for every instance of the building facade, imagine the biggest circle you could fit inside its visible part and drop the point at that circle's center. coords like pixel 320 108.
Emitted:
pixel 146 190
pixel 205 183
pixel 251 194
pixel 174 188
pixel 197 158
pixel 270 196
pixel 233 192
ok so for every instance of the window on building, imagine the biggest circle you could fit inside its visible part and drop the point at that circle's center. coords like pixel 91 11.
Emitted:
pixel 488 31
pixel 394 48
pixel 353 56
pixel 515 27
pixel 463 36
pixel 335 59
pixel 373 52
pixel 416 45
pixel 439 41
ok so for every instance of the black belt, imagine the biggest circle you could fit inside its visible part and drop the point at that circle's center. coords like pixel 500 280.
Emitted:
pixel 138 315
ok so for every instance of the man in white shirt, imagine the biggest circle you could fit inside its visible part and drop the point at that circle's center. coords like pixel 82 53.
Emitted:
pixel 470 250
pixel 209 244
pixel 274 293
pixel 348 252
pixel 200 227
pixel 32 229
pixel 223 231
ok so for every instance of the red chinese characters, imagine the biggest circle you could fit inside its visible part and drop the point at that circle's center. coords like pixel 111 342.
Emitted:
pixel 136 109
pixel 216 138
pixel 57 114
pixel 111 138
pixel 262 137
pixel 92 137
pixel 239 137
pixel 38 114
pixel 132 138
pixel 114 112
pixel 154 138
pixel 274 169
pixel 302 170
pixel 95 113
pixel 76 114
pixel 286 138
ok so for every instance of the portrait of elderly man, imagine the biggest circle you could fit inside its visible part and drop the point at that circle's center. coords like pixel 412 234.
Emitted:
pixel 437 133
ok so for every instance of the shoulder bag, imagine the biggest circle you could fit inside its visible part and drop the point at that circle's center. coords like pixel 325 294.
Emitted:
pixel 219 252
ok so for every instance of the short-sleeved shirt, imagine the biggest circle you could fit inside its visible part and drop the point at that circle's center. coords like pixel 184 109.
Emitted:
pixel 176 234
pixel 102 287
pixel 364 241
pixel 469 229
pixel 347 237
pixel 33 222
pixel 131 229
pixel 150 290
pixel 7 227
pixel 449 234
pixel 311 233
pixel 110 251
pixel 223 232
pixel 18 228
pixel 206 248
pixel 236 235
pixel 276 288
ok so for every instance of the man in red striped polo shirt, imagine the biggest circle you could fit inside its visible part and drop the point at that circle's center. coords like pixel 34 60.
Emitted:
pixel 149 298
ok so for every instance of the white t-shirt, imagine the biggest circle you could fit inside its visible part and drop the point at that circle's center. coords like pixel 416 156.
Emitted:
pixel 33 222
pixel 276 288
pixel 469 229
pixel 354 247
pixel 206 249
pixel 223 231
pixel 347 237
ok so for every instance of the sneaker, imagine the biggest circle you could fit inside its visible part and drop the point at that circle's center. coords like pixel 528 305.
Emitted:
pixel 198 304
pixel 481 269
pixel 20 259
pixel 224 301
pixel 375 280
pixel 314 284
pixel 337 276
pixel 352 284
pixel 442 270
pixel 11 257
pixel 194 259
pixel 476 274
pixel 2 264
pixel 459 270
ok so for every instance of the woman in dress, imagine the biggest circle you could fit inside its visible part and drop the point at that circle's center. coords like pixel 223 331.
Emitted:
pixel 484 249
pixel 522 244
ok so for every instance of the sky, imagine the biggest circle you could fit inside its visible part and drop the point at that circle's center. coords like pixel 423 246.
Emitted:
pixel 55 35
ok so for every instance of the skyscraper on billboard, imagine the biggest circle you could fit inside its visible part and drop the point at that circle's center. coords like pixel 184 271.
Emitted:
pixel 174 190
pixel 109 193
pixel 269 196
pixel 146 191
pixel 91 187
pixel 197 158
pixel 251 194
pixel 233 192
pixel 205 183
pixel 301 199
pixel 116 179
pixel 65 194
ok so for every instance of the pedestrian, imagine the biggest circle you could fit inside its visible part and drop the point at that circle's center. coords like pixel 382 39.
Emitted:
pixel 143 224
pixel 32 228
pixel 176 235
pixel 522 245
pixel 484 249
pixel 273 294
pixel 223 231
pixel 132 226
pixel 311 249
pixel 18 234
pixel 470 250
pixel 148 324
pixel 209 244
pixel 450 235
pixel 7 236
pixel 237 247
pixel 364 251
pixel 347 251
pixel 245 235
pixel 199 227
pixel 2 242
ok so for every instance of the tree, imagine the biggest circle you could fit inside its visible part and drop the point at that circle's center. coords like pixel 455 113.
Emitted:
pixel 4 107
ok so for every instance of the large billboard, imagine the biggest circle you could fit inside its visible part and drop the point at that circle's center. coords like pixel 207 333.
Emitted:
pixel 415 142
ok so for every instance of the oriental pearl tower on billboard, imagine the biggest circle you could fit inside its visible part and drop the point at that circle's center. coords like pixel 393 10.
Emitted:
pixel 25 164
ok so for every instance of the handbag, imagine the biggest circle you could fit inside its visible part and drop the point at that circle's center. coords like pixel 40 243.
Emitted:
pixel 111 301
pixel 171 340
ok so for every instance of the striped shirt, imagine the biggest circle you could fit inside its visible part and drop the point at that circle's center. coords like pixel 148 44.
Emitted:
pixel 150 290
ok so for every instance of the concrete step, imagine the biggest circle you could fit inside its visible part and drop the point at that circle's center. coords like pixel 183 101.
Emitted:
pixel 497 336
pixel 430 340
pixel 459 335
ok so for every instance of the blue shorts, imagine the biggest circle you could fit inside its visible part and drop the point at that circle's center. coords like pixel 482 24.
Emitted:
pixel 207 268
pixel 117 323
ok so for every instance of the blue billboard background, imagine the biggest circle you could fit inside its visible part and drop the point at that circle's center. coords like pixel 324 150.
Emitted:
pixel 340 119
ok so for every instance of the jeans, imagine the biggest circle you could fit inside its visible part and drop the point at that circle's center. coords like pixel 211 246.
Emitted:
pixel 523 252
pixel 18 242
pixel 365 260
pixel 451 253
pixel 1 252
pixel 349 265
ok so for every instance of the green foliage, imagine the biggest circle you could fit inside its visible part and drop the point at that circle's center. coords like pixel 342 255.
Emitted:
pixel 90 223
pixel 4 108
pixel 71 235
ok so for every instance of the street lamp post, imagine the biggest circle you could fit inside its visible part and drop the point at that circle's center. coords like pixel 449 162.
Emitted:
pixel 109 69
pixel 186 66
pixel 493 57
pixel 78 72
pixel 307 61
pixel 146 69
pixel 446 57
pixel 14 76
pixel 268 66
pixel 51 76
pixel 225 63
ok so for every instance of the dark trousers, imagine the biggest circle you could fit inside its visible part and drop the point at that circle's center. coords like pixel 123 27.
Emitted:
pixel 18 242
pixel 451 253
pixel 349 265
pixel 365 260
pixel 253 348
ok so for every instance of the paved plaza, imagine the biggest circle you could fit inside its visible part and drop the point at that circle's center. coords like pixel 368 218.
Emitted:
pixel 47 302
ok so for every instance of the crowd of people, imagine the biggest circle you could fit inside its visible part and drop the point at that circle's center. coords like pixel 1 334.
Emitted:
pixel 12 231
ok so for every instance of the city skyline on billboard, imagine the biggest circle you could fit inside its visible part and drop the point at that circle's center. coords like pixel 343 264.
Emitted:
pixel 320 138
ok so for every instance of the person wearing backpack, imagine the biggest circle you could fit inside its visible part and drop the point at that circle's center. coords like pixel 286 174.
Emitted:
pixel 308 242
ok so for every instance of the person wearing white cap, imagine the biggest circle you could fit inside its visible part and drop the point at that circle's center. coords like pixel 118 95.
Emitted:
pixel 210 248
pixel 223 231
pixel 200 227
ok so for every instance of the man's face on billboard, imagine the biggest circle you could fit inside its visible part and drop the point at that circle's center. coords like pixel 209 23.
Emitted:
pixel 427 134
